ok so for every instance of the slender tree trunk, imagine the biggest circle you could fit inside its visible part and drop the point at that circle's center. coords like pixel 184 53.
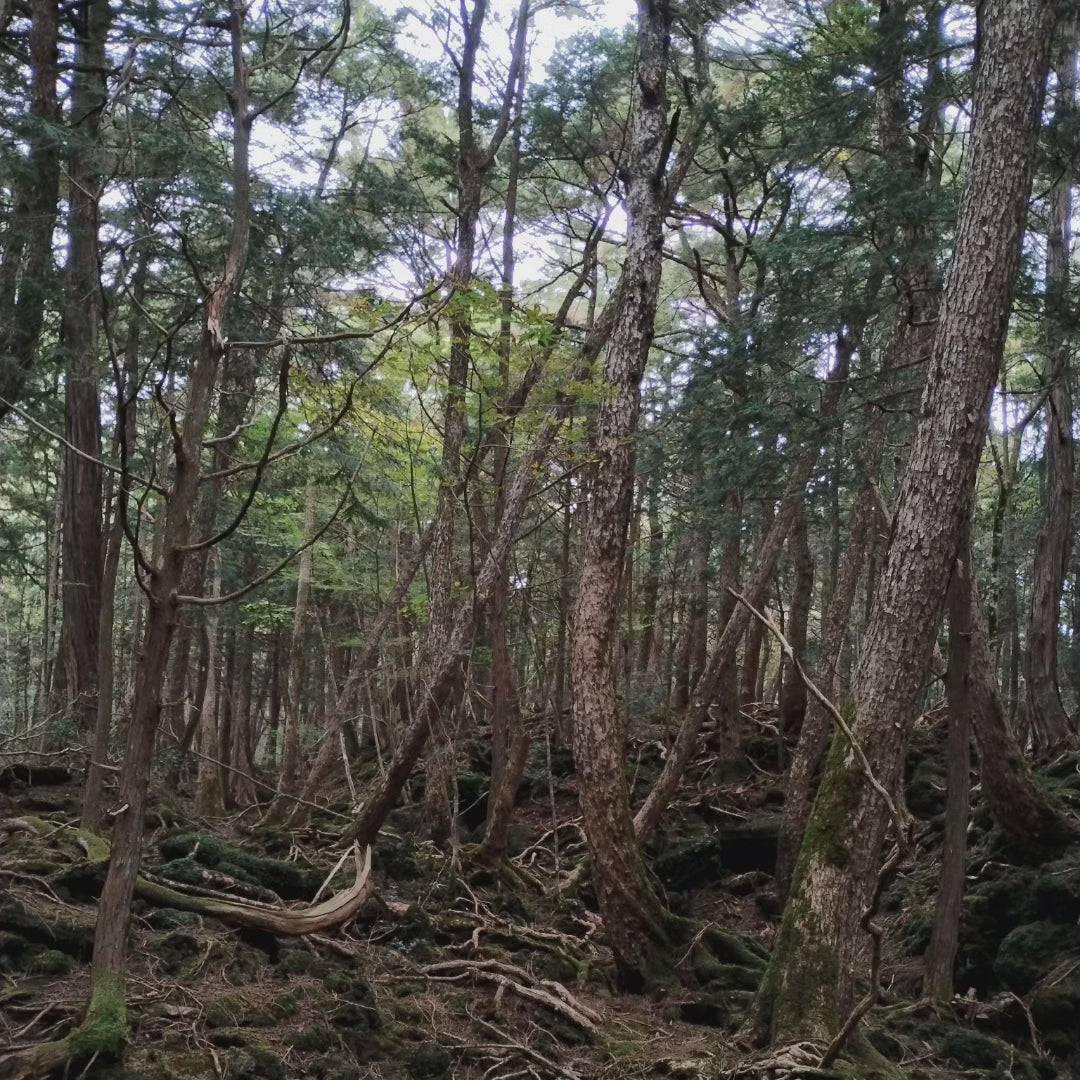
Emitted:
pixel 635 920
pixel 1019 804
pixel 107 1005
pixel 818 726
pixel 93 805
pixel 303 619
pixel 793 691
pixel 1045 712
pixel 945 931
pixel 723 655
pixel 810 985
pixel 209 799
pixel 328 749
pixel 650 585
pixel 509 740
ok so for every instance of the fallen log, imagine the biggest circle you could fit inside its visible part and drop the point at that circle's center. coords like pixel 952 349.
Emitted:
pixel 288 922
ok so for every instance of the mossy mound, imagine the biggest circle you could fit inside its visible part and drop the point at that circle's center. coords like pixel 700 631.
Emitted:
pixel 1030 951
pixel 27 937
pixel 286 879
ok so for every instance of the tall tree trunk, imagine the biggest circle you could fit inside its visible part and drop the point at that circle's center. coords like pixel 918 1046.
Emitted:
pixel 26 260
pixel 1045 712
pixel 82 539
pixel 474 163
pixel 509 740
pixel 810 984
pixel 107 1005
pixel 634 918
pixel 93 798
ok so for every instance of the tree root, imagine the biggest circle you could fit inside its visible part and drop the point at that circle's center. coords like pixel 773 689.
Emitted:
pixel 545 992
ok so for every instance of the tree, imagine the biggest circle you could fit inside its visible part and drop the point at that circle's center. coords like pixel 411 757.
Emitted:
pixel 811 981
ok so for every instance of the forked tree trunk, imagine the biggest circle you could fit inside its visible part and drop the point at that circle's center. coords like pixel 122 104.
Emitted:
pixel 809 988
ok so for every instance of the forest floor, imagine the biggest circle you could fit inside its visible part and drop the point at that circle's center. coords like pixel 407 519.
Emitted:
pixel 458 970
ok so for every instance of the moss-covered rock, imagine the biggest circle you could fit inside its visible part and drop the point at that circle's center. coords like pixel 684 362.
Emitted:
pixel 972 1050
pixel 690 862
pixel 21 925
pixel 1028 952
pixel 428 1063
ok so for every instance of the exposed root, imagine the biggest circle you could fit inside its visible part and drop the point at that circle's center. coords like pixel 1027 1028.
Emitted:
pixel 545 992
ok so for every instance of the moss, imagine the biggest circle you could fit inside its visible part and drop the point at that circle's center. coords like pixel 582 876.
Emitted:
pixel 1030 951
pixel 316 1037
pixel 286 879
pixel 286 1004
pixel 834 807
pixel 428 1063
pixel 50 962
pixel 301 962
pixel 234 1010
pixel 1057 1008
pixel 971 1050
pixel 104 1031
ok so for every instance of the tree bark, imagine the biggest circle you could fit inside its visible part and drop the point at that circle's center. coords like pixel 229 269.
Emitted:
pixel 810 985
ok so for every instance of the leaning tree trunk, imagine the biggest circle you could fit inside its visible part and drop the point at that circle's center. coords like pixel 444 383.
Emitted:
pixel 1046 714
pixel 811 980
